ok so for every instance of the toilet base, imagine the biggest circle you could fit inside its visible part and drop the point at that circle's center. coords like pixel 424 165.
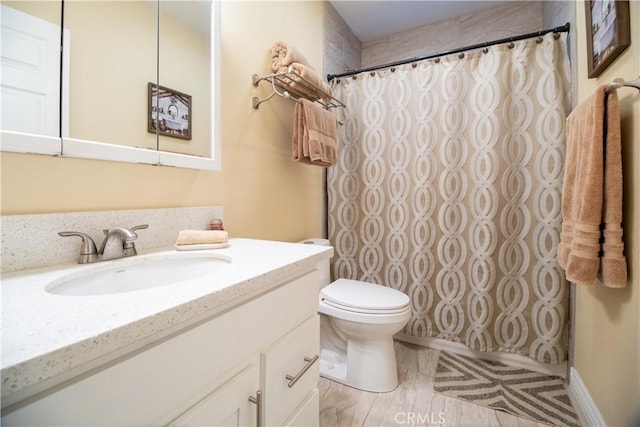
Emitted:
pixel 373 368
pixel 332 365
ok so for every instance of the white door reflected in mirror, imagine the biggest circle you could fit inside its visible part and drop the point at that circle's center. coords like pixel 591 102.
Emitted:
pixel 30 70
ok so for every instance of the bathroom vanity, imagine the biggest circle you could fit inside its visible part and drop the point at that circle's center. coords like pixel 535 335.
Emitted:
pixel 234 347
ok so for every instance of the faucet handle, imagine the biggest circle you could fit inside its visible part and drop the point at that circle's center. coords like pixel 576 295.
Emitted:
pixel 130 246
pixel 88 251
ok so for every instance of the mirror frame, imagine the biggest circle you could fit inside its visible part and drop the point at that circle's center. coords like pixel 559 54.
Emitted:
pixel 64 146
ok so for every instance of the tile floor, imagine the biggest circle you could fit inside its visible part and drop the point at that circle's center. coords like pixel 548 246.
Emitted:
pixel 413 403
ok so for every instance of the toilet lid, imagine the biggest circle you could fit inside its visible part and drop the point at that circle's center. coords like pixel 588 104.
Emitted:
pixel 364 297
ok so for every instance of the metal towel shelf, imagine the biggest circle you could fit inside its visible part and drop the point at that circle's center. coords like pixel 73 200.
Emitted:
pixel 281 83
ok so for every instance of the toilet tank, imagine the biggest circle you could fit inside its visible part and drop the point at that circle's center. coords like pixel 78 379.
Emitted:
pixel 324 265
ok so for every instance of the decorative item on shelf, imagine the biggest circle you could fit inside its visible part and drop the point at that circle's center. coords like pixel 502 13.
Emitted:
pixel 216 224
pixel 169 112
pixel 608 33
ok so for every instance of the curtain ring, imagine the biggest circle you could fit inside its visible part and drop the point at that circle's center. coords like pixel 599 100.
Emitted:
pixel 556 36
pixel 393 69
pixel 539 40
pixel 511 45
pixel 437 60
pixel 338 81
pixel 461 55
pixel 354 77
pixel 414 65
pixel 485 50
pixel 372 73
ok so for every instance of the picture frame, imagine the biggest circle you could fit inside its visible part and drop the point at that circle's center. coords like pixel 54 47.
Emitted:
pixel 169 112
pixel 608 32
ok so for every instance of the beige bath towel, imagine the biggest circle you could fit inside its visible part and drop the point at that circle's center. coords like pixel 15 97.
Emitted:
pixel 307 83
pixel 314 134
pixel 200 237
pixel 591 239
pixel 284 54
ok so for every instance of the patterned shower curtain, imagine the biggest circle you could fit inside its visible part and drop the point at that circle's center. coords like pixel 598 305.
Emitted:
pixel 448 188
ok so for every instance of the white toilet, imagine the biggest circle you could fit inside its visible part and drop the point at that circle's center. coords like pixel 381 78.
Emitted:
pixel 357 323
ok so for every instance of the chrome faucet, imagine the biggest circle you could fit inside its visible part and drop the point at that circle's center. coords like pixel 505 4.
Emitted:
pixel 117 243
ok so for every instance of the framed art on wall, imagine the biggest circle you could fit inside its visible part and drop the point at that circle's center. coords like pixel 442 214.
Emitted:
pixel 608 32
pixel 169 112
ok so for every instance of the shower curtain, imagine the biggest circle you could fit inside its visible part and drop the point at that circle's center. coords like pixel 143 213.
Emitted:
pixel 448 188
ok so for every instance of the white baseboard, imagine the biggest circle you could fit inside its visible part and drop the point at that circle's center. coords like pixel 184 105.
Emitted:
pixel 509 359
pixel 583 403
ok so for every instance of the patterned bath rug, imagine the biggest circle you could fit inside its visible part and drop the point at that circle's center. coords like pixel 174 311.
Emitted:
pixel 518 391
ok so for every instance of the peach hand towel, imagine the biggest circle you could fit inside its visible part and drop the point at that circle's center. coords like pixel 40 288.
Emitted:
pixel 592 194
pixel 284 54
pixel 314 134
pixel 200 237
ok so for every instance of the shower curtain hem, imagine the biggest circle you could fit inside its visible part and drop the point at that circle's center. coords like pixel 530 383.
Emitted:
pixel 510 359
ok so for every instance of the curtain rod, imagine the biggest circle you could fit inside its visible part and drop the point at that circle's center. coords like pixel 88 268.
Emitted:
pixel 561 29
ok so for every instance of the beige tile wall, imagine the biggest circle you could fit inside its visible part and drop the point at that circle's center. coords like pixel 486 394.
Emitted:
pixel 343 50
pixel 511 19
pixel 341 46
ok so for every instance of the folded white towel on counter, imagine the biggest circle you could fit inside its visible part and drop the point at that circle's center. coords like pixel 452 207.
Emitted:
pixel 201 237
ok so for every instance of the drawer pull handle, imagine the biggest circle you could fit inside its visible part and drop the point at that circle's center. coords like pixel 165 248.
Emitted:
pixel 310 361
pixel 258 401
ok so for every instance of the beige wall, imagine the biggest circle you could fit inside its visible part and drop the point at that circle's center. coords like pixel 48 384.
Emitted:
pixel 48 10
pixel 607 325
pixel 264 193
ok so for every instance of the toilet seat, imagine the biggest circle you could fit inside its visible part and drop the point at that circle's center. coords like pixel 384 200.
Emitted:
pixel 362 297
pixel 363 310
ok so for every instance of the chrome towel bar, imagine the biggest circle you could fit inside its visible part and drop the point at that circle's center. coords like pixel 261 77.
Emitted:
pixel 618 83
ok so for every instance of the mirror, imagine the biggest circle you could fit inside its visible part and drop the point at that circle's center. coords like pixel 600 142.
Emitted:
pixel 117 51
pixel 185 74
pixel 113 56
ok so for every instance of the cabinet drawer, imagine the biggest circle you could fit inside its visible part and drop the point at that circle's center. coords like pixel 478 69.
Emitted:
pixel 228 405
pixel 308 414
pixel 291 371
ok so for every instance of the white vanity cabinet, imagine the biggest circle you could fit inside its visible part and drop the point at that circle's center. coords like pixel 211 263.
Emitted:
pixel 204 374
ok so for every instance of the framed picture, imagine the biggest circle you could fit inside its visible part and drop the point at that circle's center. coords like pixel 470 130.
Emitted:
pixel 169 112
pixel 608 32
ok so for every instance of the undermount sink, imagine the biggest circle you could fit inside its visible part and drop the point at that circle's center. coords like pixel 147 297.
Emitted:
pixel 137 273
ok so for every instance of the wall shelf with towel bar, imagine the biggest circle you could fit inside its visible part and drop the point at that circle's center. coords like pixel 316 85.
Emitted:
pixel 292 85
pixel 618 83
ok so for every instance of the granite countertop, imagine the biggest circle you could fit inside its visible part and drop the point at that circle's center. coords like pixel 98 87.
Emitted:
pixel 47 339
